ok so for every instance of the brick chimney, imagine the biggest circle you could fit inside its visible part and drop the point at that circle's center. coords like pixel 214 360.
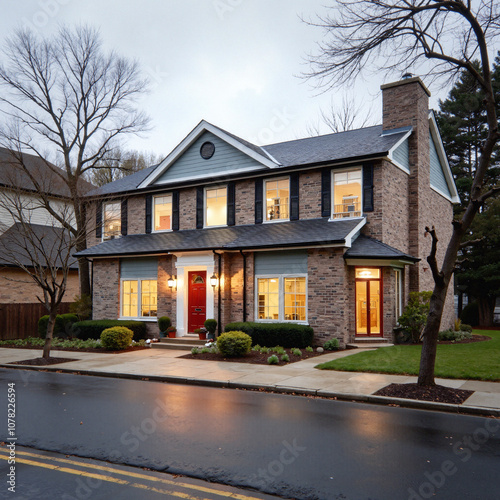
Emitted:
pixel 406 103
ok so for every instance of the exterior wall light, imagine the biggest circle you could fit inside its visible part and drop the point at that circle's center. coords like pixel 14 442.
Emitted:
pixel 172 281
pixel 214 280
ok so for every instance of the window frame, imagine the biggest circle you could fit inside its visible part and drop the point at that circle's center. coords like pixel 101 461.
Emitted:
pixel 332 194
pixel 264 200
pixel 153 214
pixel 281 298
pixel 139 299
pixel 119 219
pixel 398 293
pixel 205 207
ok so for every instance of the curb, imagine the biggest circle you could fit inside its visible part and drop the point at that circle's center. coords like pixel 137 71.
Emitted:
pixel 361 398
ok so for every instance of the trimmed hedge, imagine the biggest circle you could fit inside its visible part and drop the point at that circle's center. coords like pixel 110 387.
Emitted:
pixel 116 338
pixel 272 334
pixel 92 329
pixel 63 327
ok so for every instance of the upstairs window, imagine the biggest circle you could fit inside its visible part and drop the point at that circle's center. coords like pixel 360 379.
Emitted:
pixel 347 193
pixel 277 199
pixel 216 206
pixel 112 220
pixel 162 213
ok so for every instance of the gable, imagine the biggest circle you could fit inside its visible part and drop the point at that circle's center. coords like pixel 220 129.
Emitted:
pixel 438 179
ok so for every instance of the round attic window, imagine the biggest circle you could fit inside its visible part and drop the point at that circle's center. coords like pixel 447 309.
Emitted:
pixel 207 150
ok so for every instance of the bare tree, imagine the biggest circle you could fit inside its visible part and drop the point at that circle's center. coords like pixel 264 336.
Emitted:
pixel 69 102
pixel 444 37
pixel 43 252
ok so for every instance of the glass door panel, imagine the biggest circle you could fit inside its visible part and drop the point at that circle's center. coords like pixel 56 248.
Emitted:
pixel 361 307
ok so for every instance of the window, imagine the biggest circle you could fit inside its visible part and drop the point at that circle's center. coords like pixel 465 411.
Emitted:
pixel 139 298
pixel 398 292
pixel 162 207
pixel 282 298
pixel 216 206
pixel 277 199
pixel 347 191
pixel 112 220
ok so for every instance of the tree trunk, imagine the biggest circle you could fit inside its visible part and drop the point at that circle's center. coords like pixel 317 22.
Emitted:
pixel 486 310
pixel 84 276
pixel 49 335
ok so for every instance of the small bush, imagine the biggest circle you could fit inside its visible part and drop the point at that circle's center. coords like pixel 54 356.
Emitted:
pixel 470 314
pixel 451 335
pixel 415 314
pixel 273 360
pixel 205 350
pixel 163 323
pixel 92 329
pixel 272 334
pixel 62 328
pixel 210 325
pixel 465 328
pixel 256 347
pixel 116 338
pixel 285 358
pixel 309 349
pixel 296 352
pixel 264 350
pixel 279 350
pixel 194 350
pixel 234 343
pixel 331 345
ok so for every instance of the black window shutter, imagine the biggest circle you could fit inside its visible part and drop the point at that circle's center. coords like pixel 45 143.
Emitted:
pixel 326 192
pixel 199 207
pixel 149 209
pixel 124 217
pixel 368 188
pixel 175 210
pixel 294 196
pixel 98 220
pixel 259 208
pixel 231 215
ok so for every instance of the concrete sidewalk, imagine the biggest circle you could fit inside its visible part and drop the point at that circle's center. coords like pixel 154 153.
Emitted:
pixel 300 377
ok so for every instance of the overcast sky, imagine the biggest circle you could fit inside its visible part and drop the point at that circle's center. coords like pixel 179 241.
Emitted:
pixel 235 63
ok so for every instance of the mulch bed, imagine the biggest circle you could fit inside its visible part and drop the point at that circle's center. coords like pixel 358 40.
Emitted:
pixel 437 393
pixel 254 357
pixel 42 361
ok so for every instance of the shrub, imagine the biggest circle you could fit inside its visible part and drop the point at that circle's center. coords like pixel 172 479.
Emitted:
pixel 92 329
pixel 82 307
pixel 296 352
pixel 62 328
pixel 273 360
pixel 116 338
pixel 279 350
pixel 470 314
pixel 234 343
pixel 331 345
pixel 210 325
pixel 163 323
pixel 465 328
pixel 415 314
pixel 256 347
pixel 285 358
pixel 453 335
pixel 264 350
pixel 272 334
pixel 205 350
pixel 194 350
pixel 309 349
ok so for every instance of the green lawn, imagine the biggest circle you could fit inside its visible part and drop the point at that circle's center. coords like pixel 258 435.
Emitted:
pixel 478 360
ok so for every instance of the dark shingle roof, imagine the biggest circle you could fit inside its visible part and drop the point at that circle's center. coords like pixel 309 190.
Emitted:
pixel 14 248
pixel 283 234
pixel 360 143
pixel 365 247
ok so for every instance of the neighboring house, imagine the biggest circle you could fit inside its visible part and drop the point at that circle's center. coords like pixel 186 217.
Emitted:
pixel 15 186
pixel 326 231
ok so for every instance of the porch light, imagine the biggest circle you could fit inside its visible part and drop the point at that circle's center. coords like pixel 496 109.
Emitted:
pixel 214 280
pixel 171 281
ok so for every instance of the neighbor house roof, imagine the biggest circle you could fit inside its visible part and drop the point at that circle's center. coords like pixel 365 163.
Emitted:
pixel 13 176
pixel 15 248
pixel 306 233
pixel 362 143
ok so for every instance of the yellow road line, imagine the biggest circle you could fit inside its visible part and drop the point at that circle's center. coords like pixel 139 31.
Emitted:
pixel 135 475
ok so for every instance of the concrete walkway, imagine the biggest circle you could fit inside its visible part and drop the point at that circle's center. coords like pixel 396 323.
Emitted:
pixel 300 377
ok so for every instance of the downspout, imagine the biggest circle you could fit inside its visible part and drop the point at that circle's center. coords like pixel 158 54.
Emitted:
pixel 218 294
pixel 91 286
pixel 244 286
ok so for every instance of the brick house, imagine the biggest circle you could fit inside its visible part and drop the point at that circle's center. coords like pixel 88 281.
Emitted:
pixel 326 231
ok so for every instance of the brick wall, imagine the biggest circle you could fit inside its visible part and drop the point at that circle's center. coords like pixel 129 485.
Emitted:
pixel 187 208
pixel 166 296
pixel 136 215
pixel 106 289
pixel 310 194
pixel 245 202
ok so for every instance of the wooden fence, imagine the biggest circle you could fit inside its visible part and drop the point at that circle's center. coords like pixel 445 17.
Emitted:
pixel 19 321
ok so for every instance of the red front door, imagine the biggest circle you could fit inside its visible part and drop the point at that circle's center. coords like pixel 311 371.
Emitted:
pixel 197 299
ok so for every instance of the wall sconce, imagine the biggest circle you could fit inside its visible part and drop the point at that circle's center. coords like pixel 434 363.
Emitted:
pixel 214 280
pixel 172 281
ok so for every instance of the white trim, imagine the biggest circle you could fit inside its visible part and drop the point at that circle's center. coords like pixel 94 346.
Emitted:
pixel 281 298
pixel 351 236
pixel 202 127
pixel 390 154
pixel 195 261
pixel 438 142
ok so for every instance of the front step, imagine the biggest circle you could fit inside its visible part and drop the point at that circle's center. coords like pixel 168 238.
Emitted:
pixel 368 343
pixel 181 343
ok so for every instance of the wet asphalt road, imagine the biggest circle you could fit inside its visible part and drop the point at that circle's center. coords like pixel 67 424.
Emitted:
pixel 292 446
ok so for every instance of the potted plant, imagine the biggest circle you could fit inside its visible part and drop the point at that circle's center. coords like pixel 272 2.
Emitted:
pixel 211 326
pixel 171 332
pixel 163 324
pixel 202 333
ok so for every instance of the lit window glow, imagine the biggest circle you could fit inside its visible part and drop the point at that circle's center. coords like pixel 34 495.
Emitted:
pixel 163 213
pixel 347 194
pixel 216 207
pixel 277 199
